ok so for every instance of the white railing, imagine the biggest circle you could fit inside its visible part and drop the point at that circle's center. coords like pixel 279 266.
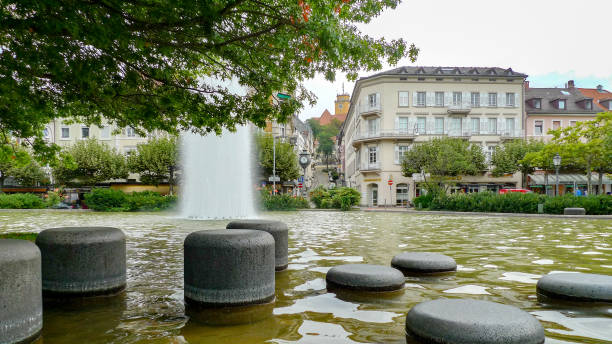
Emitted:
pixel 368 166
pixel 411 133
pixel 399 133
pixel 370 108
pixel 459 107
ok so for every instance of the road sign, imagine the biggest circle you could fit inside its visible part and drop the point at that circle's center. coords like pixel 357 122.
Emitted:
pixel 390 182
pixel 274 179
pixel 300 185
pixel 301 179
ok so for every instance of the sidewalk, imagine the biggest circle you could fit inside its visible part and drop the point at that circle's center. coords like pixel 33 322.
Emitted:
pixel 412 211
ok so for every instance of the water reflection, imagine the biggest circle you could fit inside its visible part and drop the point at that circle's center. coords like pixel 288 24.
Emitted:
pixel 500 260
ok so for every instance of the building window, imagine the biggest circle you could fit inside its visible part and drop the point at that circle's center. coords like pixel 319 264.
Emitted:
pixel 421 98
pixel 610 105
pixel 401 153
pixel 573 123
pixel 537 103
pixel 510 99
pixel 439 98
pixel 439 125
pixel 510 126
pixel 539 127
pixel 46 133
pixel 373 155
pixel 403 124
pixel 421 121
pixel 561 104
pixel 556 125
pixel 373 126
pixel 489 154
pixel 129 150
pixel 403 99
pixel 339 106
pixel 84 132
pixel 65 133
pixel 588 104
pixel 401 193
pixel 455 126
pixel 372 100
pixel 457 98
pixel 475 125
pixel 492 125
pixel 493 99
pixel 475 99
pixel 105 132
pixel 130 132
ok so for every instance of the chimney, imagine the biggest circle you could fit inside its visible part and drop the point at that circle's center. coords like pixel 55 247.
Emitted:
pixel 526 84
pixel 570 84
pixel 599 88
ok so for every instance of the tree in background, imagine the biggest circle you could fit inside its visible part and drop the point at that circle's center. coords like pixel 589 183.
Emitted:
pixel 89 162
pixel 16 162
pixel 324 134
pixel 441 158
pixel 509 158
pixel 167 64
pixel 156 161
pixel 286 160
pixel 30 174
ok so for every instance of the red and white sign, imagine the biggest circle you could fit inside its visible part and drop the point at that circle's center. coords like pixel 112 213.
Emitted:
pixel 390 182
pixel 300 185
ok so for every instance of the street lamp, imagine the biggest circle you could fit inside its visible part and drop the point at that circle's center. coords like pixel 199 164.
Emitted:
pixel 557 163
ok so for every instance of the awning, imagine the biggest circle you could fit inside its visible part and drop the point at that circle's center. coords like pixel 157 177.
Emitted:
pixel 567 179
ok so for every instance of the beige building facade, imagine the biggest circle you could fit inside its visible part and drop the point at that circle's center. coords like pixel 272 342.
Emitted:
pixel 393 110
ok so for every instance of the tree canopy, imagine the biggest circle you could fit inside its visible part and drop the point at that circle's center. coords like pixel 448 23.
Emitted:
pixel 16 162
pixel 286 160
pixel 87 163
pixel 176 65
pixel 509 157
pixel 156 161
pixel 441 158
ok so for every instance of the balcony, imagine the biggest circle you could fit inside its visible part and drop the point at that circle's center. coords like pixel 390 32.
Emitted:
pixel 370 167
pixel 383 134
pixel 459 109
pixel 370 109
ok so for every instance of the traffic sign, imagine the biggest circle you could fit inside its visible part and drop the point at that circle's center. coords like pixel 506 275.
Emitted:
pixel 301 179
pixel 390 182
pixel 274 179
pixel 300 185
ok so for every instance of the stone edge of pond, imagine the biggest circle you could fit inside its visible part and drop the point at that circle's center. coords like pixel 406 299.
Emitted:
pixel 461 213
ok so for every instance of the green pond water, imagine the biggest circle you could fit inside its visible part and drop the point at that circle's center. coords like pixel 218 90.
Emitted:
pixel 500 259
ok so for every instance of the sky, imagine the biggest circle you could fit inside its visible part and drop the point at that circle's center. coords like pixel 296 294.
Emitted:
pixel 552 41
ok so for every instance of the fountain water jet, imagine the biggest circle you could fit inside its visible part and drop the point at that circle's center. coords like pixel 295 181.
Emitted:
pixel 217 177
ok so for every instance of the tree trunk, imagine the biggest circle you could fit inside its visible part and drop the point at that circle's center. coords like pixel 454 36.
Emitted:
pixel 2 182
pixel 601 190
pixel 589 186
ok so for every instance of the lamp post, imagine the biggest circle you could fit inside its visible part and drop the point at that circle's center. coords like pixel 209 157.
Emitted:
pixel 304 161
pixel 557 163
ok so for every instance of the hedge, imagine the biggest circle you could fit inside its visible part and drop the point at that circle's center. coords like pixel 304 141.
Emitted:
pixel 21 201
pixel 116 200
pixel 282 201
pixel 521 203
pixel 343 198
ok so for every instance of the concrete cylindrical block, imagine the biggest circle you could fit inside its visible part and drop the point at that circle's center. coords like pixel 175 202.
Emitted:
pixel 279 231
pixel 574 211
pixel 20 292
pixel 82 261
pixel 229 268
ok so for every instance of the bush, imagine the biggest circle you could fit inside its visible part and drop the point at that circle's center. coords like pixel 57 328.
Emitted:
pixel 106 200
pixel 520 203
pixel 117 200
pixel 52 199
pixel 423 201
pixel 21 201
pixel 282 201
pixel 340 198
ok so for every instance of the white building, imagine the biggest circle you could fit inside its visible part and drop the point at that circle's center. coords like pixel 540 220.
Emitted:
pixel 392 110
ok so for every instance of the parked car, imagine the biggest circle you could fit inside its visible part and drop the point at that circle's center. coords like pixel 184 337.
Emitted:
pixel 505 191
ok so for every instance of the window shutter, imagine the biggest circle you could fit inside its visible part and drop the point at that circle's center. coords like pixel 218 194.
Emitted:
pixel 516 100
pixel 448 98
pixel 483 125
pixel 446 125
pixel 465 99
pixel 501 99
pixel 431 125
pixel 500 125
pixel 484 101
pixel 396 154
pixel 414 99
pixel 364 104
pixel 430 99
pixel 378 100
pixel 396 123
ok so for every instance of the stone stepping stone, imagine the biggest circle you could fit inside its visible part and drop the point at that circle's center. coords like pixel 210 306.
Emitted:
pixel 277 229
pixel 411 263
pixel 456 321
pixel 229 268
pixel 576 287
pixel 21 306
pixel 365 277
pixel 82 261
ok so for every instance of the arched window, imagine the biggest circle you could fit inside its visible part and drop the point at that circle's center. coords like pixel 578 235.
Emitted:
pixel 401 193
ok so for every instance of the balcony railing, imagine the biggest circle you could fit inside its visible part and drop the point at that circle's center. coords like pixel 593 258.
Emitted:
pixel 393 133
pixel 370 166
pixel 412 133
pixel 459 108
pixel 370 108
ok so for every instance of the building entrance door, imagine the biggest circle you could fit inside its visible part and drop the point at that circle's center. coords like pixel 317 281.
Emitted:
pixel 373 195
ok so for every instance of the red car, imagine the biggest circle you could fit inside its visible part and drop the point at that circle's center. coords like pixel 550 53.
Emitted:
pixel 505 191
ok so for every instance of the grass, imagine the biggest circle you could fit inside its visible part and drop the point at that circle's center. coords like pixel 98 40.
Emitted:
pixel 23 236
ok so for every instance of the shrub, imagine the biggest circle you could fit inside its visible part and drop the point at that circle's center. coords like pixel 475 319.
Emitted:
pixel 52 199
pixel 149 201
pixel 520 203
pixel 21 201
pixel 282 201
pixel 340 198
pixel 423 201
pixel 106 200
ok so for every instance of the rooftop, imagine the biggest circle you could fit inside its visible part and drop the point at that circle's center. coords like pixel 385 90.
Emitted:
pixel 451 71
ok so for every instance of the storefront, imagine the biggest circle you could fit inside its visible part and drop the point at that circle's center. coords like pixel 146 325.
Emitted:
pixel 568 183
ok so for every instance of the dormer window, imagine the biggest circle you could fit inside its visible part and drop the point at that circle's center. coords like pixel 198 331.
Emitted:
pixel 537 103
pixel 588 105
pixel 561 104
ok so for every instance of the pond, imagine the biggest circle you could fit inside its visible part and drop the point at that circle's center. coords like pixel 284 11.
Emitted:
pixel 500 259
